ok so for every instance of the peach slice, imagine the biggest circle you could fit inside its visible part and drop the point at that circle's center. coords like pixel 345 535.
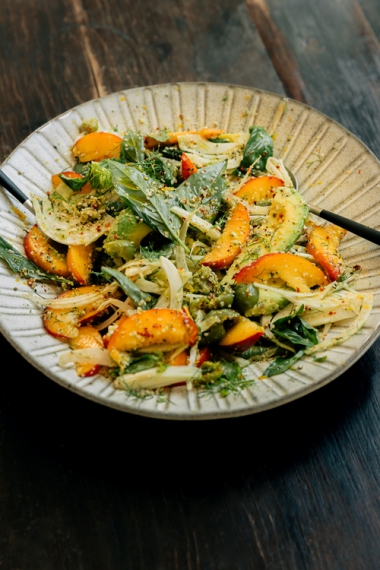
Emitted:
pixel 88 337
pixel 234 236
pixel 97 146
pixel 260 188
pixel 45 256
pixel 180 360
pixel 277 269
pixel 187 167
pixel 322 244
pixel 152 327
pixel 207 133
pixel 242 336
pixel 80 262
pixel 64 323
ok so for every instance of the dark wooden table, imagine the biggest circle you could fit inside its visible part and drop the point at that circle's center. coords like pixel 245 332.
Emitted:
pixel 86 487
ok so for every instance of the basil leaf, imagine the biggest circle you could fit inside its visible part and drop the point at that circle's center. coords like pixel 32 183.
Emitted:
pixel 203 190
pixel 132 147
pixel 148 200
pixel 144 362
pixel 152 251
pixel 75 184
pixel 172 152
pixel 139 298
pixel 25 268
pixel 161 136
pixel 81 168
pixel 294 329
pixel 258 148
pixel 282 364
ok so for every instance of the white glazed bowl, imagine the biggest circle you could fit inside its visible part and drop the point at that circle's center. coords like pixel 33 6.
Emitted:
pixel 333 167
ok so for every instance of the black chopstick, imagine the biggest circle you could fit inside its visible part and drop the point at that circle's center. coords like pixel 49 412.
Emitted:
pixel 365 232
pixel 15 191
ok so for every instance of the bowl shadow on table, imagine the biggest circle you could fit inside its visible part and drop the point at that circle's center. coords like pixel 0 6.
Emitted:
pixel 56 427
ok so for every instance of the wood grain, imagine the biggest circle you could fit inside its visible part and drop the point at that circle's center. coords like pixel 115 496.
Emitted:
pixel 86 487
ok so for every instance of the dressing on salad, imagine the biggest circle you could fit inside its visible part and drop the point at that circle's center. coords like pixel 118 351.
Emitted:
pixel 183 258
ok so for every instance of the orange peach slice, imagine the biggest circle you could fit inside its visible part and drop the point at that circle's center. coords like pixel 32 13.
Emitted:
pixel 45 256
pixel 64 323
pixel 88 337
pixel 260 188
pixel 234 236
pixel 242 336
pixel 152 327
pixel 80 262
pixel 277 269
pixel 97 146
pixel 323 245
pixel 187 167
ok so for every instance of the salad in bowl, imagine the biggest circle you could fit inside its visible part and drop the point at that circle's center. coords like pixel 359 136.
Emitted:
pixel 183 258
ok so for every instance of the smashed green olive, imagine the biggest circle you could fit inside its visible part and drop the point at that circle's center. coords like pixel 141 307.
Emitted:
pixel 246 297
pixel 213 335
pixel 203 303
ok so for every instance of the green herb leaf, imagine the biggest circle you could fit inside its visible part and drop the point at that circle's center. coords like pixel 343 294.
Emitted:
pixel 320 358
pixel 294 329
pixel 258 149
pixel 139 298
pixel 203 191
pixel 81 168
pixel 75 184
pixel 172 152
pixel 144 362
pixel 25 268
pixel 282 364
pixel 222 377
pixel 153 253
pixel 99 176
pixel 161 136
pixel 159 168
pixel 132 147
pixel 148 200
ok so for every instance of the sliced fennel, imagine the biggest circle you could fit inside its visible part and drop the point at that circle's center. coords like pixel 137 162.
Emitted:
pixel 63 225
pixel 203 152
pixel 152 378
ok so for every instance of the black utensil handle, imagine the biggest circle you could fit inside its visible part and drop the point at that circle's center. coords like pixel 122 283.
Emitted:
pixel 16 192
pixel 12 188
pixel 359 229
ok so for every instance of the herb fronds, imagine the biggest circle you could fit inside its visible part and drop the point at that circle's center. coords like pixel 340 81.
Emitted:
pixel 223 378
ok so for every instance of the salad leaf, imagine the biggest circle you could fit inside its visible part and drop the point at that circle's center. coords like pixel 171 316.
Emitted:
pixel 294 329
pixel 25 268
pixel 258 149
pixel 161 136
pixel 172 152
pixel 153 252
pixel 75 184
pixel 299 334
pixel 145 362
pixel 139 298
pixel 132 147
pixel 159 168
pixel 81 168
pixel 203 191
pixel 282 364
pixel 222 377
pixel 148 200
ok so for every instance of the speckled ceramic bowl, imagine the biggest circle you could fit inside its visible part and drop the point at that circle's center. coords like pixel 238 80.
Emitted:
pixel 333 167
